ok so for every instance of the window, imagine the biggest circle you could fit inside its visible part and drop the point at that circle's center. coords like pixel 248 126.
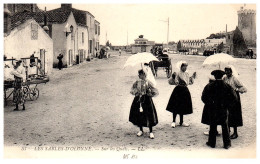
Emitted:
pixel 72 34
pixel 82 37
pixel 96 29
pixel 34 31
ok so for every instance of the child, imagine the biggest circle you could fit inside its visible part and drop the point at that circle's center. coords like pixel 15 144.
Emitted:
pixel 143 112
pixel 180 100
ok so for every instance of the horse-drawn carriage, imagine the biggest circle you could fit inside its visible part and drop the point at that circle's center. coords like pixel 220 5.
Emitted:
pixel 29 89
pixel 164 61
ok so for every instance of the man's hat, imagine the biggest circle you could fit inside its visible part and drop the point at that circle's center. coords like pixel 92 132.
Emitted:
pixel 218 73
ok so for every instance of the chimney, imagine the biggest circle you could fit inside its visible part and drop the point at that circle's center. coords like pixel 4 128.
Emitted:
pixel 66 5
pixel 7 20
pixel 45 27
pixel 226 28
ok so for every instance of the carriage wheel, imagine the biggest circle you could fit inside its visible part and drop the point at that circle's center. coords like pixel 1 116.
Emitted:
pixel 169 71
pixel 152 68
pixel 26 92
pixel 34 94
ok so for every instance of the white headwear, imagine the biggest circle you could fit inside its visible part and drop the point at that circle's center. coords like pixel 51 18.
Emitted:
pixel 179 63
pixel 149 75
pixel 234 71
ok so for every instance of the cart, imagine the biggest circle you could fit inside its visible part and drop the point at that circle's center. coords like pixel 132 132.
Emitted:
pixel 164 63
pixel 29 87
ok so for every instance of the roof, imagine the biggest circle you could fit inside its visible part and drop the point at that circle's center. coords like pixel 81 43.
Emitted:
pixel 53 16
pixel 141 39
pixel 79 15
pixel 20 17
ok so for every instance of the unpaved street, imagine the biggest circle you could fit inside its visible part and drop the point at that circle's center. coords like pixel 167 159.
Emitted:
pixel 88 105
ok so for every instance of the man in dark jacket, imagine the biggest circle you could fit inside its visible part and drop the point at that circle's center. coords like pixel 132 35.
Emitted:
pixel 218 96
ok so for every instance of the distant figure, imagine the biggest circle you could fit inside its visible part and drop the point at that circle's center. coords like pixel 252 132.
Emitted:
pixel 102 53
pixel 143 112
pixel 251 53
pixel 60 64
pixel 32 60
pixel 218 96
pixel 119 51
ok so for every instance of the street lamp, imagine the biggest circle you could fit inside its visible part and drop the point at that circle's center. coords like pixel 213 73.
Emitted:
pixel 167 31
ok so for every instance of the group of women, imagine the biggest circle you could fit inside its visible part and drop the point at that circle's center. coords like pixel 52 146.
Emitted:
pixel 143 112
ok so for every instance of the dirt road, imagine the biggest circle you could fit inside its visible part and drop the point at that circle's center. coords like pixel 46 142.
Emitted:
pixel 88 105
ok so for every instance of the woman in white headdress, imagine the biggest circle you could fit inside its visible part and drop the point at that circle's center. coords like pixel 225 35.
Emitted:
pixel 235 112
pixel 149 74
pixel 180 100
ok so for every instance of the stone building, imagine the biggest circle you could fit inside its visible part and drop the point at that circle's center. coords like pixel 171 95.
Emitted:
pixel 247 25
pixel 142 45
pixel 23 37
pixel 193 46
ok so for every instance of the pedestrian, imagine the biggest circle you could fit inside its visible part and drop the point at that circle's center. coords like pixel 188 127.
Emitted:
pixel 180 100
pixel 143 112
pixel 251 53
pixel 60 64
pixel 19 78
pixel 206 111
pixel 235 111
pixel 32 60
pixel 119 51
pixel 218 96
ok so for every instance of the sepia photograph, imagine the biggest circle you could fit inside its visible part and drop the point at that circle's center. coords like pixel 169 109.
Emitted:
pixel 129 80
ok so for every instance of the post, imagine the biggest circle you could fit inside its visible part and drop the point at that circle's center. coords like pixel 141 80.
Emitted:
pixel 168 35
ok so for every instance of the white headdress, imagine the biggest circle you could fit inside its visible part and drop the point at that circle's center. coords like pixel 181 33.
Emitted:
pixel 179 63
pixel 234 71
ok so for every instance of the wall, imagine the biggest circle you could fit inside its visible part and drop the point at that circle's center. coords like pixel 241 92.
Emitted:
pixel 62 43
pixel 247 25
pixel 81 45
pixel 91 27
pixel 18 44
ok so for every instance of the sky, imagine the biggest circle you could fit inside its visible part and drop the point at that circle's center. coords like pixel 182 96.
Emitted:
pixel 121 23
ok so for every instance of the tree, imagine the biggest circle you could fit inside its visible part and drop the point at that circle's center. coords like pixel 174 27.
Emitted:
pixel 171 43
pixel 239 45
pixel 220 47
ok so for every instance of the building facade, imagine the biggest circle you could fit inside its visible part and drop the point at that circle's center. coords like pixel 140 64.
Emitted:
pixel 142 45
pixel 247 25
pixel 193 46
pixel 25 39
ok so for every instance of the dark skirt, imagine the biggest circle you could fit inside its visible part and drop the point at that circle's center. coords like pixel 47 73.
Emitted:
pixel 235 114
pixel 146 118
pixel 180 101
pixel 18 94
pixel 60 64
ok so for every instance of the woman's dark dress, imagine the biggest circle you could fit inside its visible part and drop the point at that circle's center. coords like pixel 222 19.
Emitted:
pixel 148 117
pixel 60 64
pixel 180 100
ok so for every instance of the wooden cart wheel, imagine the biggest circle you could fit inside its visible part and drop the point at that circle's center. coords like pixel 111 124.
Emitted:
pixel 34 94
pixel 26 92
pixel 169 71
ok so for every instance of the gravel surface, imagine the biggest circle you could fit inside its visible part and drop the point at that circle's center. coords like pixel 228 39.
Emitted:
pixel 87 106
